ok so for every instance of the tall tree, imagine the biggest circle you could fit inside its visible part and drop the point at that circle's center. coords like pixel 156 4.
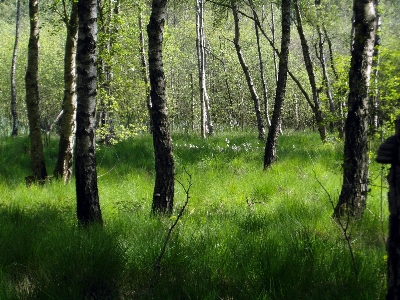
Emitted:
pixel 163 196
pixel 375 69
pixel 316 105
pixel 144 67
pixel 355 167
pixel 88 206
pixel 14 114
pixel 206 122
pixel 262 72
pixel 64 162
pixel 32 95
pixel 246 71
pixel 273 133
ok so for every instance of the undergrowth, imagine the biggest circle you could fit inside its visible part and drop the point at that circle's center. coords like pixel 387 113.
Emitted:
pixel 246 233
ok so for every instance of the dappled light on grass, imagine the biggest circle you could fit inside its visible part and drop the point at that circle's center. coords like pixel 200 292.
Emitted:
pixel 245 234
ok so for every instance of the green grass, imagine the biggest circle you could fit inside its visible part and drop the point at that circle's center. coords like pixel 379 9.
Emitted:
pixel 246 233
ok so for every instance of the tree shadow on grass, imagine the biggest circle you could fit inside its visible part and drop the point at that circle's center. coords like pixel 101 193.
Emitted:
pixel 45 255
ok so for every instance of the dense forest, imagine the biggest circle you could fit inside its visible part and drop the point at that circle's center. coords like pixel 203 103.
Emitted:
pixel 252 101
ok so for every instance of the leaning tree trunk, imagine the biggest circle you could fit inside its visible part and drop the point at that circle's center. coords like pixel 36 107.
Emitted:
pixel 64 162
pixel 32 95
pixel 88 205
pixel 317 109
pixel 163 196
pixel 245 68
pixel 353 197
pixel 273 133
pixel 14 114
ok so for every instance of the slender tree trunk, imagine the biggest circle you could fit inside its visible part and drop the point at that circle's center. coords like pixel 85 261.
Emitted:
pixel 145 73
pixel 193 101
pixel 375 70
pixel 325 75
pixel 262 74
pixel 163 196
pixel 14 114
pixel 232 118
pixel 64 162
pixel 206 123
pixel 32 95
pixel 273 41
pixel 273 133
pixel 317 109
pixel 353 196
pixel 245 68
pixel 331 59
pixel 340 104
pixel 88 205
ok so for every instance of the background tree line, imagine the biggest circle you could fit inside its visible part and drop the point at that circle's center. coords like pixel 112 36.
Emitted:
pixel 122 85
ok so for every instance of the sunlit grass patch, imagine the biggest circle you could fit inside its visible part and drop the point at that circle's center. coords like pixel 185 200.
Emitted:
pixel 247 233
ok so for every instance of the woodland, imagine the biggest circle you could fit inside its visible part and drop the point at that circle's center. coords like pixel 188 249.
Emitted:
pixel 203 149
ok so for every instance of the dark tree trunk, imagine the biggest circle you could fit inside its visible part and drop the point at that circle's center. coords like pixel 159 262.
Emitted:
pixel 389 152
pixel 14 114
pixel 245 68
pixel 88 206
pixel 353 197
pixel 273 133
pixel 163 197
pixel 32 95
pixel 64 162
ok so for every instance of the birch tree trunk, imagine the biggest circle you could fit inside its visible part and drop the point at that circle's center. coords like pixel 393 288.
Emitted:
pixel 14 114
pixel 163 196
pixel 145 73
pixel 273 133
pixel 375 70
pixel 262 74
pixel 32 95
pixel 353 196
pixel 206 123
pixel 245 68
pixel 64 162
pixel 88 205
pixel 316 107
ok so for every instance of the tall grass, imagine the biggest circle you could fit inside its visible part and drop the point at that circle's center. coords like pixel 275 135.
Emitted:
pixel 246 234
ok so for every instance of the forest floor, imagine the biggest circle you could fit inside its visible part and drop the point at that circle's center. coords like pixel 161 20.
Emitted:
pixel 246 233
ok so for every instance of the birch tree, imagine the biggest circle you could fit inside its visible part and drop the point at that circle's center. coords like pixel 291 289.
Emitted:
pixel 206 122
pixel 32 95
pixel 246 71
pixel 163 195
pixel 67 126
pixel 273 132
pixel 353 196
pixel 88 205
pixel 14 114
